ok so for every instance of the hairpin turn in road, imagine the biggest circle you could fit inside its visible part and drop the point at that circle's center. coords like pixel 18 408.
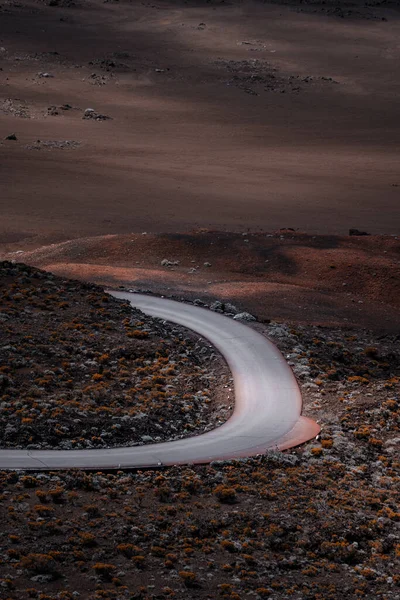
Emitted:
pixel 267 412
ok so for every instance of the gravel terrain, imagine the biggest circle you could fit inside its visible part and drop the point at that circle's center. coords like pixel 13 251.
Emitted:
pixel 317 522
pixel 80 369
pixel 320 522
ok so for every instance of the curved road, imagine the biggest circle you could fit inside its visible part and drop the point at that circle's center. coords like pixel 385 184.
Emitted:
pixel 267 403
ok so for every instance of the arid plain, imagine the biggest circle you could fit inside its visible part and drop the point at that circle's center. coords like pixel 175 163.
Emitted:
pixel 223 115
pixel 217 153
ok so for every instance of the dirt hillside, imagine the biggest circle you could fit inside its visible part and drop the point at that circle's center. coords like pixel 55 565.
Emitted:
pixel 284 275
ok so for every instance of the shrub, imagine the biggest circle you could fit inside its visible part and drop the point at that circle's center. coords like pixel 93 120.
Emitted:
pixel 57 494
pixel 157 551
pixel 362 433
pixel 163 493
pixel 189 578
pixel 263 592
pixel 92 510
pixel 104 570
pixel 327 443
pixel 14 538
pixel 39 563
pixel 28 481
pixel 87 539
pixel 140 335
pixel 357 379
pixel 128 550
pixel 43 511
pixel 138 560
pixel 225 494
pixel 375 442
pixel 316 451
pixel 371 352
pixel 228 545
pixel 42 495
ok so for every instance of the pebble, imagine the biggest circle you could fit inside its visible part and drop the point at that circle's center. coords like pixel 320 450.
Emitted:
pixel 244 316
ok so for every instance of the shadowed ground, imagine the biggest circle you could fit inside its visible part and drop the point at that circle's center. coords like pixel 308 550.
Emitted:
pixel 260 115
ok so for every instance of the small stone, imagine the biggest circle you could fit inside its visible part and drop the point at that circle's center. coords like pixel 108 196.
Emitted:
pixel 42 578
pixel 169 263
pixel 230 308
pixel 217 305
pixel 357 232
pixel 244 316
pixel 12 136
pixel 90 113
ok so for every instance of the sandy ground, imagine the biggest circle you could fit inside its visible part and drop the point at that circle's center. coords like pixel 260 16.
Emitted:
pixel 223 115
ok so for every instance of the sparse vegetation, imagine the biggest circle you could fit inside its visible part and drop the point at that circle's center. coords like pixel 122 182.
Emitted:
pixel 96 373
pixel 318 522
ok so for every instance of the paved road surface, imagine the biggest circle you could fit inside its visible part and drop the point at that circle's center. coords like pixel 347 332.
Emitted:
pixel 267 403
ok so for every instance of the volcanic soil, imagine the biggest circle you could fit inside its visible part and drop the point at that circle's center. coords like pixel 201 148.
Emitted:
pixel 345 281
pixel 214 114
pixel 320 521
pixel 81 369
pixel 228 121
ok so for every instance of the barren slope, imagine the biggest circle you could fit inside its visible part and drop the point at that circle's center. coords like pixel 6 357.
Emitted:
pixel 226 115
pixel 285 275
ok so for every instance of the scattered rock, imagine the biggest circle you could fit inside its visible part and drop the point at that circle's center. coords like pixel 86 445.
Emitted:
pixel 53 144
pixel 90 113
pixel 15 107
pixel 169 263
pixel 217 306
pixel 244 316
pixel 52 111
pixel 42 578
pixel 357 232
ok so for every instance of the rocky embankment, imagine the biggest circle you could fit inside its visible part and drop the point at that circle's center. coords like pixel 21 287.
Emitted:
pixel 80 369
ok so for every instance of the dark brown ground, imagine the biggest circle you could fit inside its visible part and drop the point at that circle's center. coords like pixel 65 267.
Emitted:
pixel 80 369
pixel 318 522
pixel 232 136
pixel 265 115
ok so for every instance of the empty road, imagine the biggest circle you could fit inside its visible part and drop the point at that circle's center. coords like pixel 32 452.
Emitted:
pixel 267 413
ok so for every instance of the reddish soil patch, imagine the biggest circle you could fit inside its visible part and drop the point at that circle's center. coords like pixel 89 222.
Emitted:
pixel 331 280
